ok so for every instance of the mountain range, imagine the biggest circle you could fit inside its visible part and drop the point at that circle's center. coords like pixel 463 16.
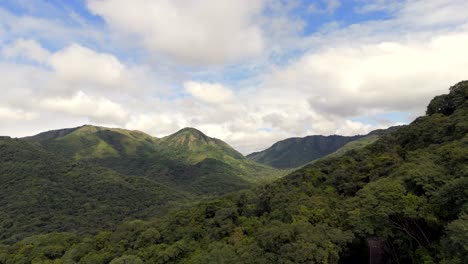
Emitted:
pixel 395 196
pixel 87 178
pixel 295 152
pixel 89 168
pixel 179 160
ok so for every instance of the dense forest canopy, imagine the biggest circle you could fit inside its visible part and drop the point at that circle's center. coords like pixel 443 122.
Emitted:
pixel 401 199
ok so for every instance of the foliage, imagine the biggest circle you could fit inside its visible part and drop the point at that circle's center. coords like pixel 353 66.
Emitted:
pixel 354 145
pixel 295 152
pixel 188 160
pixel 403 198
pixel 42 192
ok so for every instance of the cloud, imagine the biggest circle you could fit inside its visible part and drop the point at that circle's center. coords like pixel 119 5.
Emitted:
pixel 329 7
pixel 74 68
pixel 415 12
pixel 76 63
pixel 97 109
pixel 442 12
pixel 208 92
pixel 197 32
pixel 158 124
pixel 373 78
pixel 368 6
pixel 16 114
pixel 27 49
pixel 273 83
pixel 47 27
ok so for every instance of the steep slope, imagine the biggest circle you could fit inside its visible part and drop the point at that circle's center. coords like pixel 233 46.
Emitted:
pixel 92 142
pixel 401 199
pixel 187 160
pixel 43 192
pixel 295 152
pixel 192 146
pixel 364 141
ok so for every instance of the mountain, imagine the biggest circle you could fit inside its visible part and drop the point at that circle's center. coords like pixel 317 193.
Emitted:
pixel 363 141
pixel 43 192
pixel 91 142
pixel 87 178
pixel 193 146
pixel 401 199
pixel 187 160
pixel 295 152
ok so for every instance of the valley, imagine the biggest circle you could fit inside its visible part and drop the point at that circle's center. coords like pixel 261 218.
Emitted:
pixel 106 195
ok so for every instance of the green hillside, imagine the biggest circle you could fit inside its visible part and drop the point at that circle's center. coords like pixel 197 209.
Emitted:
pixel 295 152
pixel 192 146
pixel 188 160
pixel 42 192
pixel 354 145
pixel 401 199
pixel 362 142
pixel 90 142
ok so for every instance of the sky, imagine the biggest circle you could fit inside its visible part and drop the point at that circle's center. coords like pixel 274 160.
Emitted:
pixel 250 72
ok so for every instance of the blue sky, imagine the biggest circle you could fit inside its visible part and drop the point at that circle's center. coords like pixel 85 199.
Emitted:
pixel 250 72
pixel 73 14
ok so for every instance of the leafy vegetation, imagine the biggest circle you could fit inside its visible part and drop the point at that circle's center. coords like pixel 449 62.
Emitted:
pixel 295 152
pixel 354 145
pixel 42 192
pixel 89 178
pixel 401 199
pixel 192 146
pixel 188 160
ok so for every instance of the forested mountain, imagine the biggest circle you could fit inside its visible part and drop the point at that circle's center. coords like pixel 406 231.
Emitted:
pixel 188 160
pixel 296 152
pixel 401 199
pixel 42 192
pixel 192 146
pixel 364 141
pixel 88 178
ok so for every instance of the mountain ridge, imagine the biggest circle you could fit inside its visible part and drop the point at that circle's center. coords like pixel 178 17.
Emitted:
pixel 402 199
pixel 297 151
pixel 45 192
pixel 171 160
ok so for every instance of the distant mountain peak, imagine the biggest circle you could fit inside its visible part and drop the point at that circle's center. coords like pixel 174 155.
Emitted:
pixel 197 146
pixel 190 137
pixel 83 131
pixel 193 132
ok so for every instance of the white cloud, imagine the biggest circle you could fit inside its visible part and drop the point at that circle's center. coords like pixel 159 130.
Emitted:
pixel 16 114
pixel 330 6
pixel 394 64
pixel 434 13
pixel 213 93
pixel 78 64
pixel 26 48
pixel 368 6
pixel 97 109
pixel 74 65
pixel 47 25
pixel 374 78
pixel 158 124
pixel 201 31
